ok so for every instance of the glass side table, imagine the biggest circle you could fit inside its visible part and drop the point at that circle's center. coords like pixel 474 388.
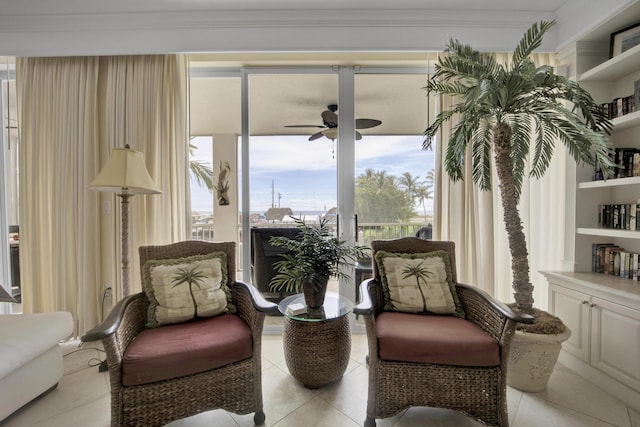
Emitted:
pixel 317 344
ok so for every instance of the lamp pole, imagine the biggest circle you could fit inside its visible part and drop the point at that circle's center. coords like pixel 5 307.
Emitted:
pixel 124 213
pixel 125 174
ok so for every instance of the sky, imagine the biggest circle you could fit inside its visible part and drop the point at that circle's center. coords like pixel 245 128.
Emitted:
pixel 303 172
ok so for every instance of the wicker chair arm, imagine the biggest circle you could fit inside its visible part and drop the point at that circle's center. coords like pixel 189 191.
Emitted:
pixel 113 321
pixel 369 298
pixel 247 311
pixel 499 306
pixel 258 301
pixel 365 306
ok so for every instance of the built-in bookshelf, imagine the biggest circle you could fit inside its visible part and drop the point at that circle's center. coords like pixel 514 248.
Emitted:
pixel 609 80
pixel 602 309
pixel 615 68
pixel 613 182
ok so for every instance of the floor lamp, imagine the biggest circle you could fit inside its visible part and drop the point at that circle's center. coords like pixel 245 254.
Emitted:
pixel 126 175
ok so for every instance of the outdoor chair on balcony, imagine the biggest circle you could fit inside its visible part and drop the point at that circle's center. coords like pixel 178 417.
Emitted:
pixel 432 341
pixel 191 342
pixel 264 255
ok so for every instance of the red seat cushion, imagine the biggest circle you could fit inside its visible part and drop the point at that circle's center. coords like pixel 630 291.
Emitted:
pixel 186 348
pixel 440 340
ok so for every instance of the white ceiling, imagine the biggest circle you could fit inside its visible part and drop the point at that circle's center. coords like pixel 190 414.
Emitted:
pixel 26 7
pixel 276 101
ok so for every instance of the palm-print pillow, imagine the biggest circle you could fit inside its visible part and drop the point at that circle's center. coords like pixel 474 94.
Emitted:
pixel 418 283
pixel 183 289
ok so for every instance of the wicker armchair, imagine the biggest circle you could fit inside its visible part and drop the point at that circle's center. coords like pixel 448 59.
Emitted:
pixel 452 381
pixel 235 386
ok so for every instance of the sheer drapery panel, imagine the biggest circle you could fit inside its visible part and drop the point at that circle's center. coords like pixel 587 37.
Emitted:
pixel 72 111
pixel 474 219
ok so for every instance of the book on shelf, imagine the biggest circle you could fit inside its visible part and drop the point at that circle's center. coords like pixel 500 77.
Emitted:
pixel 620 106
pixel 598 262
pixel 610 253
pixel 609 258
pixel 627 160
pixel 619 216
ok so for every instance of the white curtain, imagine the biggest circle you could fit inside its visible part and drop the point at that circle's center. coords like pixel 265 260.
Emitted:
pixel 473 219
pixel 144 101
pixel 72 111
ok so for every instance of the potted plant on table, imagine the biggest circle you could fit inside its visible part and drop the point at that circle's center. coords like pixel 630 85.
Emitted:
pixel 504 111
pixel 312 259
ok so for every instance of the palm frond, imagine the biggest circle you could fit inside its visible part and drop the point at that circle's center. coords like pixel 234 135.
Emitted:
pixel 586 146
pixel 464 63
pixel 521 127
pixel 450 88
pixel 455 153
pixel 543 149
pixel 432 130
pixel 202 173
pixel 481 155
pixel 531 41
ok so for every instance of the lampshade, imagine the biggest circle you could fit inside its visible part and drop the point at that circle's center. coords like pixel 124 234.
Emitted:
pixel 5 297
pixel 125 173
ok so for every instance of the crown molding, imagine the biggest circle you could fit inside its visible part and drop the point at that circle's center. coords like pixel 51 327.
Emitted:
pixel 262 31
pixel 268 19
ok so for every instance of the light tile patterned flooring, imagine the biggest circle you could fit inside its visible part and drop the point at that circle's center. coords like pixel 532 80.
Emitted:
pixel 82 399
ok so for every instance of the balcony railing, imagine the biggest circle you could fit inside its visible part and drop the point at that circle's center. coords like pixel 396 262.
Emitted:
pixel 384 231
pixel 202 232
pixel 366 231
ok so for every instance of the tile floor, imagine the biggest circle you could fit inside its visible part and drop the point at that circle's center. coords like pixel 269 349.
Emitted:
pixel 82 399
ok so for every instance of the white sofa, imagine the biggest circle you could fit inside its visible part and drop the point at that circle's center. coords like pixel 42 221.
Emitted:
pixel 30 356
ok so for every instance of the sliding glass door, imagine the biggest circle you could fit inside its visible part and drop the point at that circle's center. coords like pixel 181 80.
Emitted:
pixel 343 144
pixel 393 174
pixel 292 160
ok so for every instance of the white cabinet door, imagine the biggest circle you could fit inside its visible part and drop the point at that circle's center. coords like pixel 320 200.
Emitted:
pixel 573 309
pixel 616 341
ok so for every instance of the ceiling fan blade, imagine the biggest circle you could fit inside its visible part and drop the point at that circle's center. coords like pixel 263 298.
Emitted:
pixel 358 136
pixel 315 136
pixel 367 123
pixel 304 126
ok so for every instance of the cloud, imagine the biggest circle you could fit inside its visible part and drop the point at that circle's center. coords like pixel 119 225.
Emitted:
pixel 304 172
pixel 290 153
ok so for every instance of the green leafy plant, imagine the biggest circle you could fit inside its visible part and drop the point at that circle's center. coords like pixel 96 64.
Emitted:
pixel 191 276
pixel 505 111
pixel 315 256
pixel 201 172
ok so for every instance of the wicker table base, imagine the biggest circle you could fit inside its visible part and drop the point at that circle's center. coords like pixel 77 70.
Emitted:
pixel 317 353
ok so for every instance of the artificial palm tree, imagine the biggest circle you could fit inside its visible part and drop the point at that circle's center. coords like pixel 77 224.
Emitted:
pixel 507 111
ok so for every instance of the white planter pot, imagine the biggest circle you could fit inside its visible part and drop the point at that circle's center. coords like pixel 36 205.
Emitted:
pixel 532 359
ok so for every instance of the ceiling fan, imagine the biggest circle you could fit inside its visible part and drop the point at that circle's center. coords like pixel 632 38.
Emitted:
pixel 330 124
